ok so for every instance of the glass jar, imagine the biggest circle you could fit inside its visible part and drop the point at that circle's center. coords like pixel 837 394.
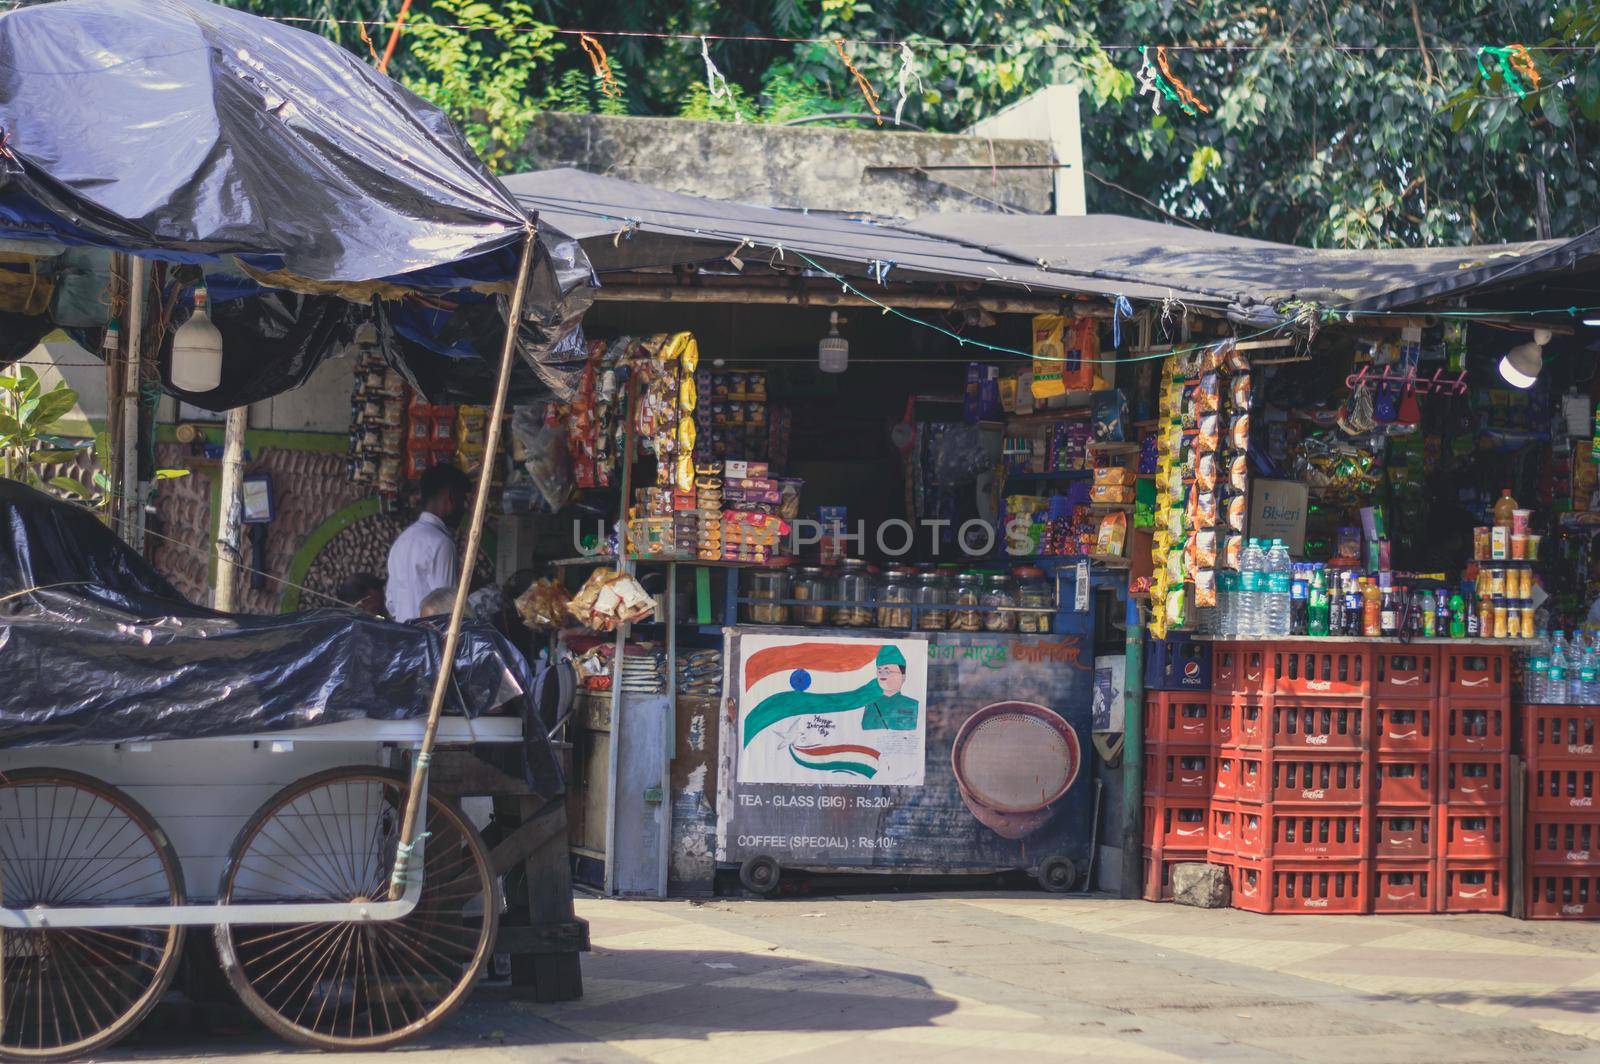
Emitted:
pixel 854 590
pixel 766 587
pixel 811 584
pixel 895 596
pixel 968 596
pixel 932 591
pixel 999 593
pixel 1035 593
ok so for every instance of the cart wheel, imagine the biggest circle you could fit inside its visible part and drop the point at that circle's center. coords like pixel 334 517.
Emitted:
pixel 760 874
pixel 1057 875
pixel 67 839
pixel 332 837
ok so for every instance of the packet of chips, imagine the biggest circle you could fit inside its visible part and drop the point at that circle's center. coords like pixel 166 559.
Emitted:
pixel 1239 432
pixel 1207 430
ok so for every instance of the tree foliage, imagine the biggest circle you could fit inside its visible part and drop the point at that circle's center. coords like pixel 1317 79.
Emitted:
pixel 1360 124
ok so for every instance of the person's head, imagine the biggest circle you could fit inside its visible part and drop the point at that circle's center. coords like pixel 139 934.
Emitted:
pixel 891 670
pixel 362 591
pixel 444 493
pixel 438 602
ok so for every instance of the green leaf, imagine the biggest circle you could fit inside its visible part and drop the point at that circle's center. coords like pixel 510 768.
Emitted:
pixel 1203 161
pixel 53 405
pixel 50 457
pixel 9 428
pixel 70 486
pixel 171 474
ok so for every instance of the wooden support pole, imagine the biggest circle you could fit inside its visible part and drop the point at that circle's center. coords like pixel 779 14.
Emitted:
pixel 230 527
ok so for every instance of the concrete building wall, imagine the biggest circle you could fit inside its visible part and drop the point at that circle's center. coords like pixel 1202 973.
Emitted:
pixel 879 172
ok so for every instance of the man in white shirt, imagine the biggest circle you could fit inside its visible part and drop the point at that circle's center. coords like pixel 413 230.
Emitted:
pixel 424 558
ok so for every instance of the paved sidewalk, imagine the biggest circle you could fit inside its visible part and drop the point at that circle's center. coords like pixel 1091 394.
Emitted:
pixel 1025 977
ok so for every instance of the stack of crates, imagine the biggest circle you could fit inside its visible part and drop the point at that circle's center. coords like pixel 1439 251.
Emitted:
pixel 1562 839
pixel 1179 761
pixel 1345 777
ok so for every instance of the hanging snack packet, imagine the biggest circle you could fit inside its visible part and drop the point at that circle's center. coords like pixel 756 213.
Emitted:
pixel 1205 472
pixel 1240 393
pixel 1239 432
pixel 1232 550
pixel 1239 473
pixel 1208 394
pixel 1237 509
pixel 1205 549
pixel 1207 428
pixel 1205 508
pixel 1205 587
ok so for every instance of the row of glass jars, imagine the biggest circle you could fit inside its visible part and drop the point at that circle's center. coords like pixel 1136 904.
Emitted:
pixel 972 602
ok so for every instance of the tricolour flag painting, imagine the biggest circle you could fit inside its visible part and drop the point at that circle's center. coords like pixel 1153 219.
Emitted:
pixel 832 709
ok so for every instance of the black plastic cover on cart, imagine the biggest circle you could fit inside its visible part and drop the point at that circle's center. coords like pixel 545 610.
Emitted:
pixel 97 647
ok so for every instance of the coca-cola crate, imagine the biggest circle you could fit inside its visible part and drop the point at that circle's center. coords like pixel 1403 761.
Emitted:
pixel 1240 776
pixel 1276 886
pixel 1402 833
pixel 1402 887
pixel 1563 894
pixel 1563 841
pixel 1404 727
pixel 1405 672
pixel 1311 834
pixel 1222 835
pixel 1564 732
pixel 1252 832
pixel 1478 671
pixel 1473 779
pixel 1473 886
pixel 1328 779
pixel 1404 779
pixel 1180 717
pixel 1175 824
pixel 1303 723
pixel 1178 772
pixel 1239 668
pixel 1562 786
pixel 1239 724
pixel 1307 669
pixel 1473 832
pixel 1158 865
pixel 1471 726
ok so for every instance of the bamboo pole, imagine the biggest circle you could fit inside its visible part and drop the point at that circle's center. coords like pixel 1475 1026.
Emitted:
pixel 452 636
pixel 230 529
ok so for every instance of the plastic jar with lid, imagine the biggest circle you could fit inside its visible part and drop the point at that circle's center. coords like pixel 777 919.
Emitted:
pixel 1034 592
pixel 895 596
pixel 855 590
pixel 811 584
pixel 766 586
pixel 967 598
pixel 932 595
pixel 998 596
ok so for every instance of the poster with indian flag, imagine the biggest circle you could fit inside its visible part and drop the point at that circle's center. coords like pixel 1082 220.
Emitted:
pixel 832 709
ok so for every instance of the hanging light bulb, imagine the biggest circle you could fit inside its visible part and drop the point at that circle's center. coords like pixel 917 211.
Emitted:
pixel 197 350
pixel 833 350
pixel 1521 365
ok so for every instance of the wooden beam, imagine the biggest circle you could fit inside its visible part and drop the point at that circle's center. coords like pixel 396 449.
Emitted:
pixel 529 837
pixel 831 297
pixel 569 937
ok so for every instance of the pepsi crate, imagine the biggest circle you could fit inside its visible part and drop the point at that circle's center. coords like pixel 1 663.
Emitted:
pixel 1177 663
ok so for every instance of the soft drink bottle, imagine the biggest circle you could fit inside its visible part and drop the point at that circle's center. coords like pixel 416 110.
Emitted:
pixel 1299 600
pixel 1317 603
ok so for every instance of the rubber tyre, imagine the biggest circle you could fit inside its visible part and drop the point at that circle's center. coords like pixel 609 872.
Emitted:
pixel 1057 875
pixel 760 875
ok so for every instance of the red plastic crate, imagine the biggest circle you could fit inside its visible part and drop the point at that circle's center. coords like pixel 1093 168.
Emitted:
pixel 1158 865
pixel 1317 780
pixel 1178 772
pixel 1473 887
pixel 1252 832
pixel 1402 833
pixel 1180 717
pixel 1563 841
pixel 1404 779
pixel 1302 723
pixel 1239 669
pixel 1274 886
pixel 1404 727
pixel 1471 726
pixel 1313 834
pixel 1176 824
pixel 1240 724
pixel 1562 786
pixel 1478 671
pixel 1240 776
pixel 1566 732
pixel 1402 887
pixel 1306 669
pixel 1222 835
pixel 1473 779
pixel 1407 672
pixel 1473 832
pixel 1563 894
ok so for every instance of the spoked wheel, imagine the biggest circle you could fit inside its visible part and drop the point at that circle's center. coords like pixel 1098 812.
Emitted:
pixel 67 839
pixel 331 837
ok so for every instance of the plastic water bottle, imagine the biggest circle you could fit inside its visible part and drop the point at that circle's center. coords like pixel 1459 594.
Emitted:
pixel 1536 680
pixel 1588 691
pixel 1556 678
pixel 1279 579
pixel 1227 602
pixel 1252 566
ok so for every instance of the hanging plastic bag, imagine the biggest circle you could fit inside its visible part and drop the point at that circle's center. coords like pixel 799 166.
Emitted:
pixel 543 441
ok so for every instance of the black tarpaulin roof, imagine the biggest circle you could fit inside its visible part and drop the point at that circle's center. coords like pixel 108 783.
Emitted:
pixel 625 225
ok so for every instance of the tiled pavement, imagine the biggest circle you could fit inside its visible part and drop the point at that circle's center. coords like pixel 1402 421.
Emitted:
pixel 1024 977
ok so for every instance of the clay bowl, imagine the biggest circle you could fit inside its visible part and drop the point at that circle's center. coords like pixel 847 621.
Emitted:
pixel 1012 761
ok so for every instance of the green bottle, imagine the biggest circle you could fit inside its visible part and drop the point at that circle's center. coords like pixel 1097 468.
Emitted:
pixel 1317 604
pixel 1458 609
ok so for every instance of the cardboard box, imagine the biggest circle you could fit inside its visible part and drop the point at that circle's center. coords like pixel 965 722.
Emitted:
pixel 1278 511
